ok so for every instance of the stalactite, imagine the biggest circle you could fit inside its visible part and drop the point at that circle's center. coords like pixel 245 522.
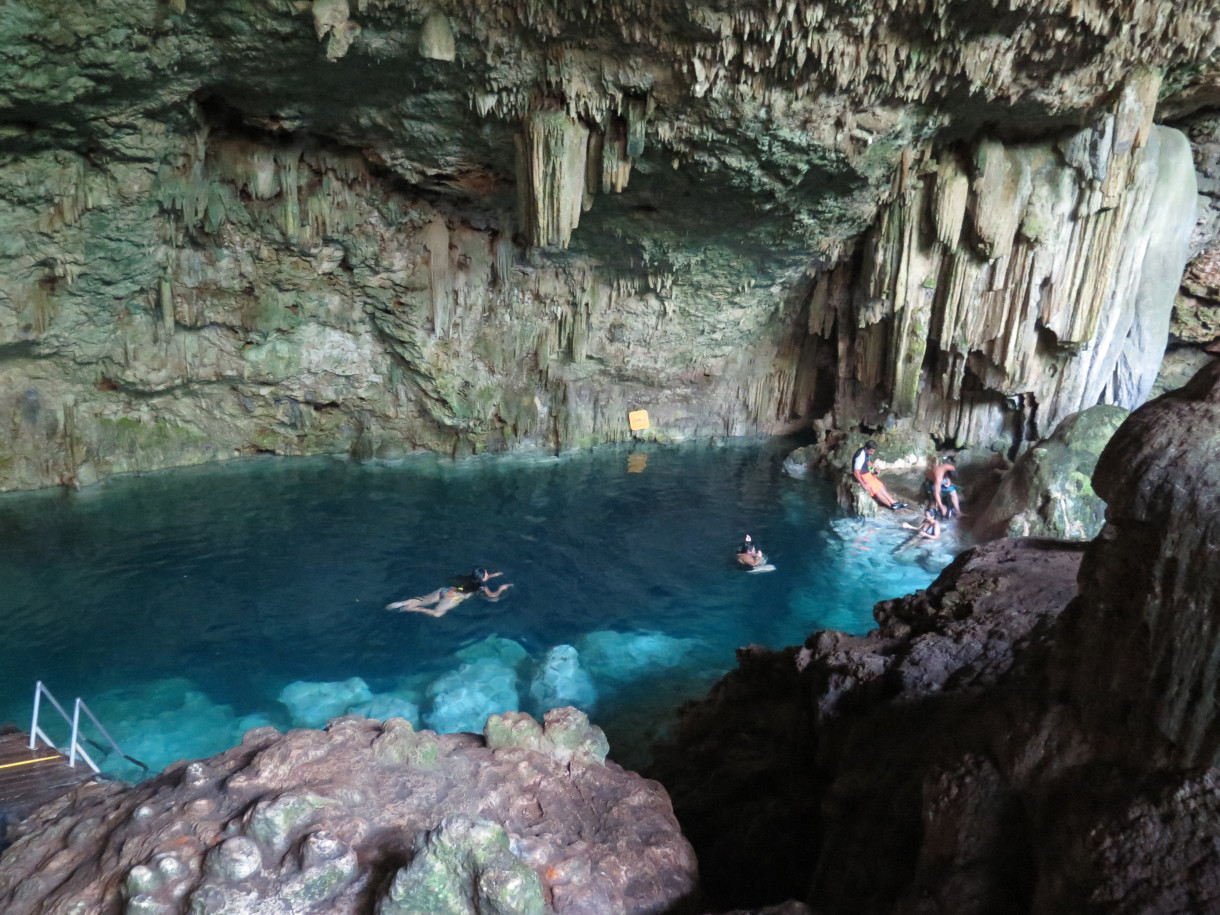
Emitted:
pixel 41 306
pixel 165 299
pixel 551 176
pixel 504 257
pixel 1040 297
pixel 636 115
pixel 949 202
pixel 436 41
pixel 1000 188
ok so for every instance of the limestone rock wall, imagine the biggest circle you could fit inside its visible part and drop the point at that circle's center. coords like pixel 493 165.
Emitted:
pixel 233 226
pixel 254 296
pixel 1196 315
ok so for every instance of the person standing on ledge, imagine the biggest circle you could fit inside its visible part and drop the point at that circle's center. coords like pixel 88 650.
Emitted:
pixel 866 475
pixel 941 487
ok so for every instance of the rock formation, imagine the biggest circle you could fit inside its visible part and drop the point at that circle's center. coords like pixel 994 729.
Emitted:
pixel 268 226
pixel 1049 491
pixel 365 817
pixel 833 743
pixel 1150 587
pixel 1012 740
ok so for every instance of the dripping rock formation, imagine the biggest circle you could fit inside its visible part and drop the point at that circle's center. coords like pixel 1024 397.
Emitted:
pixel 320 226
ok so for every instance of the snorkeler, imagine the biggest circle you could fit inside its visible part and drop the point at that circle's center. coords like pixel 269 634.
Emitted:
pixel 442 600
pixel 749 555
pixel 476 582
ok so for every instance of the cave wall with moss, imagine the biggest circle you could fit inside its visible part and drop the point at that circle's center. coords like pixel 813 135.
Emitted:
pixel 272 226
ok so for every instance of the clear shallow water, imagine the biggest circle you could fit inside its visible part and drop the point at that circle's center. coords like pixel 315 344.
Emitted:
pixel 182 605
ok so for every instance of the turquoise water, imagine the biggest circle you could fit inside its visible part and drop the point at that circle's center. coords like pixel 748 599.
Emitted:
pixel 187 606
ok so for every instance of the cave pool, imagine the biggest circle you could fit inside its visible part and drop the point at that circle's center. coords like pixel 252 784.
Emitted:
pixel 187 606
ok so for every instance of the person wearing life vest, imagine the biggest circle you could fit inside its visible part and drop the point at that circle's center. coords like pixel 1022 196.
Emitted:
pixel 866 475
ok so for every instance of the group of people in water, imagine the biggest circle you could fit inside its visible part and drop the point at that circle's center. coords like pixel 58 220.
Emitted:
pixel 941 498
pixel 941 502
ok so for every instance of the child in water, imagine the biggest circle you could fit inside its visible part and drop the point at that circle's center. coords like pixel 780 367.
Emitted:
pixel 929 528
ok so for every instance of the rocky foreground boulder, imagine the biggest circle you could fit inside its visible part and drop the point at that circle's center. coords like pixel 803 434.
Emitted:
pixel 364 817
pixel 817 758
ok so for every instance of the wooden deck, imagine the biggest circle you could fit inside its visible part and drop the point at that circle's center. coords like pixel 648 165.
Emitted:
pixel 30 778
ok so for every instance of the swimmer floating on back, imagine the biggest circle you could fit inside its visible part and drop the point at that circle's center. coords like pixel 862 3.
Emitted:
pixel 442 600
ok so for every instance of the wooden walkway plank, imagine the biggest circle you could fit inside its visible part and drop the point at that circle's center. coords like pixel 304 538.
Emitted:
pixel 31 778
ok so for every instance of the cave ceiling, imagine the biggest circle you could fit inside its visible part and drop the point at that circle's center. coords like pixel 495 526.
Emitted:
pixel 474 208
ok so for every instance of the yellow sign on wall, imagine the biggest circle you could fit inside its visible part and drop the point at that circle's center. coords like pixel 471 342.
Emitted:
pixel 637 420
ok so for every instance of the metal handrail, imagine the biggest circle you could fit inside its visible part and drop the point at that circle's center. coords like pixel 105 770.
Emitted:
pixel 74 747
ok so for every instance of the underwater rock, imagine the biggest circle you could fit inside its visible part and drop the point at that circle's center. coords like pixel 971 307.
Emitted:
pixel 388 705
pixel 326 823
pixel 161 722
pixel 560 680
pixel 624 657
pixel 311 705
pixel 462 699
